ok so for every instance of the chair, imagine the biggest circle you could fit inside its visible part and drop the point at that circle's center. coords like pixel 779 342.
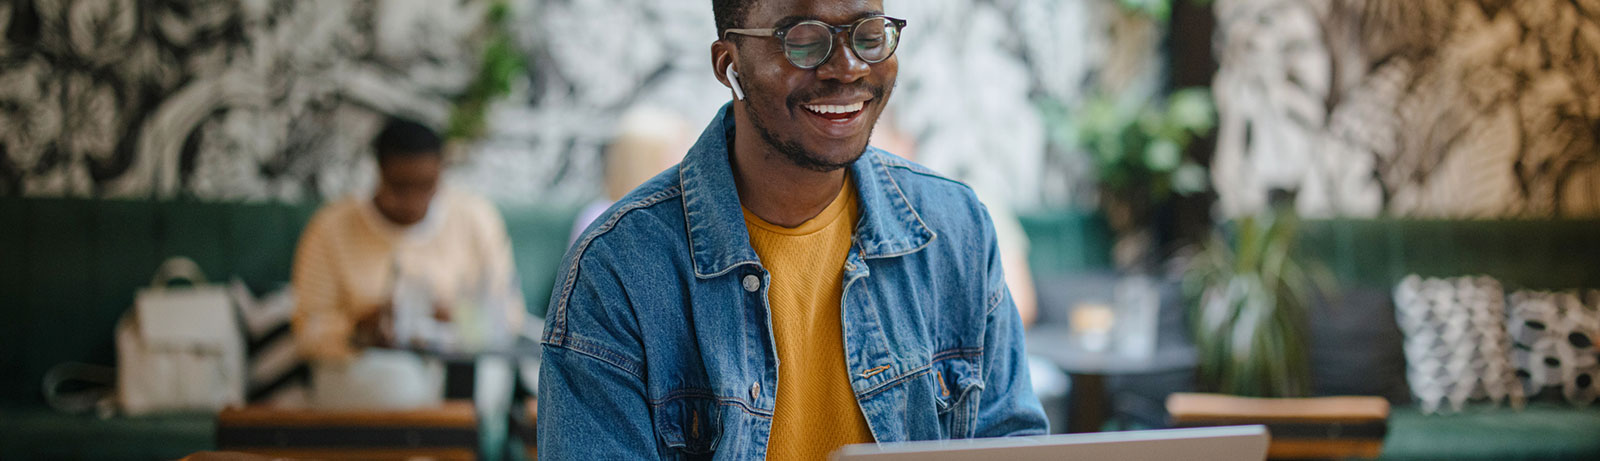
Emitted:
pixel 1301 428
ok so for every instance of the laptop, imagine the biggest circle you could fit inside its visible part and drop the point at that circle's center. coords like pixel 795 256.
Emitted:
pixel 1228 443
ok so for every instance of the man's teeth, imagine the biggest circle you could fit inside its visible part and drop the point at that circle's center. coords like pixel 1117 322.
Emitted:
pixel 822 109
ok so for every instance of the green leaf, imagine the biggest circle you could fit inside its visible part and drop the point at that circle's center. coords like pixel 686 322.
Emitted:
pixel 500 65
pixel 1191 109
pixel 1191 178
pixel 1163 156
pixel 1159 10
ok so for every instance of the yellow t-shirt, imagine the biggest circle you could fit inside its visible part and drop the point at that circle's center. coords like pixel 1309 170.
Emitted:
pixel 816 410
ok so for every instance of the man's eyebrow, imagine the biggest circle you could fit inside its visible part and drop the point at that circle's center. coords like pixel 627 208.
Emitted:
pixel 787 21
pixel 867 14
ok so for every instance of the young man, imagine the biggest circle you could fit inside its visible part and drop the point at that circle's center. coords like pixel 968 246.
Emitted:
pixel 785 290
pixel 408 235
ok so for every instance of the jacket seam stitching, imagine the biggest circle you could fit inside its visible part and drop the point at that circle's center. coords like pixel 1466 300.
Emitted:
pixel 932 235
pixel 559 331
pixel 592 350
pixel 897 163
pixel 721 401
pixel 994 300
pixel 960 353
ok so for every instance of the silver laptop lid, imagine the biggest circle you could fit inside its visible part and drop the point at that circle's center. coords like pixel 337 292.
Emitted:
pixel 1229 443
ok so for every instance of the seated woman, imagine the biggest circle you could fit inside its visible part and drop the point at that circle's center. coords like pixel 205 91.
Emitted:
pixel 379 276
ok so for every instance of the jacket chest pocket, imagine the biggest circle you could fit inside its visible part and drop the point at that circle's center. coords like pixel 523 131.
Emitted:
pixel 957 383
pixel 689 427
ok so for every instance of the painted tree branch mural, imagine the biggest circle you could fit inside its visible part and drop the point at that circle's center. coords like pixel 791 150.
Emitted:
pixel 249 99
pixel 1485 108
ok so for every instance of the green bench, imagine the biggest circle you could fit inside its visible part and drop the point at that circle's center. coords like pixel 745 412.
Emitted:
pixel 1543 431
pixel 69 268
pixel 35 432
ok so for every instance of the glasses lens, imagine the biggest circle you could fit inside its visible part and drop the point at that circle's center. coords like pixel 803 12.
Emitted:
pixel 875 39
pixel 807 44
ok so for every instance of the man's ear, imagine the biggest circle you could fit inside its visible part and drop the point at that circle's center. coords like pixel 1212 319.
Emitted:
pixel 722 66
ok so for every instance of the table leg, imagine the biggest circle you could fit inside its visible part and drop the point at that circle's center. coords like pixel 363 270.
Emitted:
pixel 1089 405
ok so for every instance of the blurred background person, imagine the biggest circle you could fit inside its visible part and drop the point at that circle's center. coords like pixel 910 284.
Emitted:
pixel 411 238
pixel 648 141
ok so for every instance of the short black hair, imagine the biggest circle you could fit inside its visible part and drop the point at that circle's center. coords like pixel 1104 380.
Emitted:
pixel 404 138
pixel 730 14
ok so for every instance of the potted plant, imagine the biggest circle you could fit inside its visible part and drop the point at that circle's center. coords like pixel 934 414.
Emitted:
pixel 1139 150
pixel 1249 297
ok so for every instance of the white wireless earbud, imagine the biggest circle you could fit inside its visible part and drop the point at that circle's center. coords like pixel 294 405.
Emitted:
pixel 733 79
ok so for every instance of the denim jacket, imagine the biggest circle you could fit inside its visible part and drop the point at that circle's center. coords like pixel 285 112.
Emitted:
pixel 658 343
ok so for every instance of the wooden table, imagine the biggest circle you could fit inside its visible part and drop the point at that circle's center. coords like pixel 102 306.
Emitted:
pixel 448 432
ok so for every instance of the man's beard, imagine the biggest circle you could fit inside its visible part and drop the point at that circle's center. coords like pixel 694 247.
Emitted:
pixel 792 150
pixel 798 154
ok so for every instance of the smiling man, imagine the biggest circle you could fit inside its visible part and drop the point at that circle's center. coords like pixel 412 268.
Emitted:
pixel 786 289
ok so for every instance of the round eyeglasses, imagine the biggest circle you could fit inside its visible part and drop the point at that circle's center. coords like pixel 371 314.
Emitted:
pixel 808 44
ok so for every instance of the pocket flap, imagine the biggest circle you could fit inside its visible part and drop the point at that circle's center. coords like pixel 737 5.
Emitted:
pixel 955 377
pixel 689 424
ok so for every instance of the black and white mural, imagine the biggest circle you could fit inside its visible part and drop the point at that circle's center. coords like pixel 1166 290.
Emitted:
pixel 226 100
pixel 1437 108
pixel 273 100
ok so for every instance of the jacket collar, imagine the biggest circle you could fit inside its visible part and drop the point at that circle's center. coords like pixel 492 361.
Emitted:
pixel 718 240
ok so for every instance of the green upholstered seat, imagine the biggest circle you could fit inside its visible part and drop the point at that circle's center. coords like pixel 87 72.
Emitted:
pixel 40 433
pixel 1544 431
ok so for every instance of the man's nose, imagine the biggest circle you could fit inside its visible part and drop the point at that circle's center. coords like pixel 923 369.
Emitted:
pixel 844 65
